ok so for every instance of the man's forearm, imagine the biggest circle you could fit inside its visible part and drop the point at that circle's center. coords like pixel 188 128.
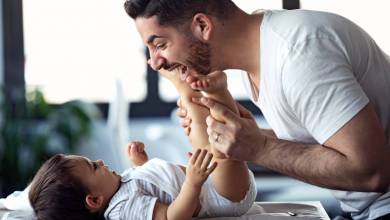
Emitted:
pixel 315 164
pixel 268 132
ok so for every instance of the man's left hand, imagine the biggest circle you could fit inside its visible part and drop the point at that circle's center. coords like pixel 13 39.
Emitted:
pixel 238 137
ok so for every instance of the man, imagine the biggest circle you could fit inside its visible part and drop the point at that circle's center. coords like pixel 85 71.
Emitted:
pixel 320 81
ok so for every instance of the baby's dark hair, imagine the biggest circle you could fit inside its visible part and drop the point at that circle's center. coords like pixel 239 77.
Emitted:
pixel 178 12
pixel 57 194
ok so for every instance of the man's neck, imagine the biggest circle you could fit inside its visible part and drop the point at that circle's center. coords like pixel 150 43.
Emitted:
pixel 241 50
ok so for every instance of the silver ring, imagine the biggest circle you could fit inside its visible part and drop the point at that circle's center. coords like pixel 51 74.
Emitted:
pixel 216 137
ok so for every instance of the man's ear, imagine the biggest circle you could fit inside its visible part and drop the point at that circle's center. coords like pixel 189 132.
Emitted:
pixel 94 202
pixel 202 26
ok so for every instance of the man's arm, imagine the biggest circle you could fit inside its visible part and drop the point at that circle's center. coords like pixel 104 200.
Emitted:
pixel 355 158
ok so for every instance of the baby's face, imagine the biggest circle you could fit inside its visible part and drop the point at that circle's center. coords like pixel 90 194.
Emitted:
pixel 96 176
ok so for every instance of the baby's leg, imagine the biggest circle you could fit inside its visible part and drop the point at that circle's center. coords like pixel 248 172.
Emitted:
pixel 214 86
pixel 136 153
pixel 230 178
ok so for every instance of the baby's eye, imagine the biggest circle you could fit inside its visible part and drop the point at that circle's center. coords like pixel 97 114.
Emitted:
pixel 95 166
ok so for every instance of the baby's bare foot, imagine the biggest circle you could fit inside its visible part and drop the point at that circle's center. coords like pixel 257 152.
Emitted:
pixel 136 153
pixel 213 82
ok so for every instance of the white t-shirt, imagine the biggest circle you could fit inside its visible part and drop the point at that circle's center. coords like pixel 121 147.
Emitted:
pixel 318 70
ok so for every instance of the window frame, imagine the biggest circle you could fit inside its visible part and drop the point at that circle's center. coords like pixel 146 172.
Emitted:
pixel 13 50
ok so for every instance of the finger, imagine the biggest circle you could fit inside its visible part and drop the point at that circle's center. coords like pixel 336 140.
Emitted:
pixel 187 130
pixel 220 111
pixel 189 155
pixel 181 112
pixel 205 83
pixel 133 149
pixel 129 148
pixel 197 100
pixel 193 85
pixel 195 156
pixel 214 126
pixel 178 103
pixel 245 113
pixel 185 122
pixel 190 79
pixel 129 145
pixel 135 146
pixel 209 130
pixel 211 168
pixel 201 157
pixel 140 147
pixel 206 161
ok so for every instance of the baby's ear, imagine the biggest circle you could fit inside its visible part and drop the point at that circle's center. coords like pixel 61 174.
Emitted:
pixel 94 203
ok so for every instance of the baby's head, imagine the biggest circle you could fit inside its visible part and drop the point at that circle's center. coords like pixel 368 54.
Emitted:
pixel 72 187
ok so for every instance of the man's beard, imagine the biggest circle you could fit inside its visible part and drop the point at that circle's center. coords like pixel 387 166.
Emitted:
pixel 199 56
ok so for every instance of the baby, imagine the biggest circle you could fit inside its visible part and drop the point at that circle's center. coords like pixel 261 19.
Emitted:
pixel 73 187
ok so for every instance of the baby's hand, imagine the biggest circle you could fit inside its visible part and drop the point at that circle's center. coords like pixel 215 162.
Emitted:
pixel 136 153
pixel 213 82
pixel 198 168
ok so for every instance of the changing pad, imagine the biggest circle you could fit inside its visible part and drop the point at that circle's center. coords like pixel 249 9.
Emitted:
pixel 259 211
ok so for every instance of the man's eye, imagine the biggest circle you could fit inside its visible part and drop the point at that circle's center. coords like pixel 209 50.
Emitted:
pixel 160 46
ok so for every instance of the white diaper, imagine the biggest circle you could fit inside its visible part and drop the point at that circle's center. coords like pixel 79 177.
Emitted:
pixel 215 205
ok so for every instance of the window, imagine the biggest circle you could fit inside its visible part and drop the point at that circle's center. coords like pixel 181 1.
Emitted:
pixel 79 49
pixel 251 6
pixel 372 16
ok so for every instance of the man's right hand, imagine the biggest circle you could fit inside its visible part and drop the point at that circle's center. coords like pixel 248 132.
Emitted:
pixel 185 121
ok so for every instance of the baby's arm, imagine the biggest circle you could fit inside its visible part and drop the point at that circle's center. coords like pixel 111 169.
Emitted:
pixel 187 204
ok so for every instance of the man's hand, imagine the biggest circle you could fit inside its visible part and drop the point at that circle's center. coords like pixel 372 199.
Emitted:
pixel 185 121
pixel 238 137
pixel 199 168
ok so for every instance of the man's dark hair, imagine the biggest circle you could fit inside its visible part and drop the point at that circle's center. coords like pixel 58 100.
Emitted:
pixel 178 12
pixel 57 194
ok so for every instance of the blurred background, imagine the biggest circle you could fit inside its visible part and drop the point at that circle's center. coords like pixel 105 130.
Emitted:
pixel 74 79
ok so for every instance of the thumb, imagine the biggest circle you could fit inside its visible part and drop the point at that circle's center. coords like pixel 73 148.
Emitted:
pixel 219 111
pixel 245 113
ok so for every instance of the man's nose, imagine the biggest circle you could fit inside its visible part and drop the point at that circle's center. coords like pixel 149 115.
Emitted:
pixel 156 62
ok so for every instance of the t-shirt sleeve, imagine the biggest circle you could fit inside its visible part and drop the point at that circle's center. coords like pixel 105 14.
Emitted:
pixel 320 87
pixel 136 207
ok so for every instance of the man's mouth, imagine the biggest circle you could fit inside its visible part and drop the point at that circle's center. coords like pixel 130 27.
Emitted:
pixel 172 67
pixel 182 69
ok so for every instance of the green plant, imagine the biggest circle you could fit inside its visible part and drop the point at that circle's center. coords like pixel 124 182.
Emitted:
pixel 32 131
